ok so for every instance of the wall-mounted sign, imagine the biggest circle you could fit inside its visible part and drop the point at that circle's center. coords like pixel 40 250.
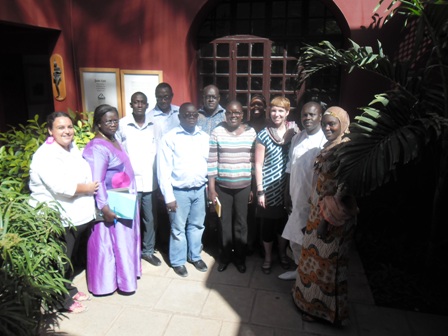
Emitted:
pixel 58 77
pixel 139 80
pixel 100 86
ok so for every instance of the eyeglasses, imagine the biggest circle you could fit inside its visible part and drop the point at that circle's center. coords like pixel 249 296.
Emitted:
pixel 211 97
pixel 160 98
pixel 190 115
pixel 111 122
pixel 236 114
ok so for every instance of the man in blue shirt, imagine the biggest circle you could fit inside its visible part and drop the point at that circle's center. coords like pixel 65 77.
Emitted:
pixel 164 114
pixel 182 173
pixel 211 114
pixel 165 117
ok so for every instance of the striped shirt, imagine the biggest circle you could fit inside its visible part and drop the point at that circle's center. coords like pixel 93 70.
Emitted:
pixel 275 159
pixel 231 157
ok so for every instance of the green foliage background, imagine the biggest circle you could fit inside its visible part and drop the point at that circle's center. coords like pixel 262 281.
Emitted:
pixel 31 255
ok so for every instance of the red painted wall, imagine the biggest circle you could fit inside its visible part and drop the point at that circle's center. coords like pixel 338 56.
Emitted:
pixel 152 35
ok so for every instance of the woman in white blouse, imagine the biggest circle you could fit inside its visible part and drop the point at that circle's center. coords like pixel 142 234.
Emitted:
pixel 58 173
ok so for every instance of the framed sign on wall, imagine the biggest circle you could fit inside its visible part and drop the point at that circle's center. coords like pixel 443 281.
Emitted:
pixel 100 86
pixel 139 80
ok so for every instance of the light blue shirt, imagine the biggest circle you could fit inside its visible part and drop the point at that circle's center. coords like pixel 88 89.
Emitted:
pixel 182 160
pixel 140 144
pixel 208 123
pixel 164 122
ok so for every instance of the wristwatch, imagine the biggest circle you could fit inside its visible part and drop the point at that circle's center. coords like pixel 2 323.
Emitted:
pixel 260 192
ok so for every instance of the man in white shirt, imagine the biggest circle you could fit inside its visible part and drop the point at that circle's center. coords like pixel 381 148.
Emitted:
pixel 182 173
pixel 136 133
pixel 305 146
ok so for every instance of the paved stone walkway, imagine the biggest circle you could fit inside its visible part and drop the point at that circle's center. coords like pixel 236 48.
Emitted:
pixel 230 304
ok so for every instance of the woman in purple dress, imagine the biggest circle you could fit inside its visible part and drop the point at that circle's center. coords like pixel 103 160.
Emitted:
pixel 113 249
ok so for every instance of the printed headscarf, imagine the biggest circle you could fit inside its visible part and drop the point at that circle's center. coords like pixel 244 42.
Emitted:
pixel 324 163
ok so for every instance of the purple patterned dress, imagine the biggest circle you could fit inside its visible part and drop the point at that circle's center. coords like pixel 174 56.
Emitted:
pixel 113 250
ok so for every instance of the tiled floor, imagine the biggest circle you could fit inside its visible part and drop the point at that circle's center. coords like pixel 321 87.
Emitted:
pixel 229 304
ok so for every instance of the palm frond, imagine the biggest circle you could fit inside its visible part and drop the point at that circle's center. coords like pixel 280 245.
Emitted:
pixel 388 133
pixel 325 55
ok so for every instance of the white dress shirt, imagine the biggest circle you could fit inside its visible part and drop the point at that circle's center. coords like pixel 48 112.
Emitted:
pixel 140 144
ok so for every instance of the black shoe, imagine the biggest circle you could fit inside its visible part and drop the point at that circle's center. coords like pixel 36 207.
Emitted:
pixel 180 270
pixel 241 268
pixel 200 265
pixel 222 267
pixel 152 259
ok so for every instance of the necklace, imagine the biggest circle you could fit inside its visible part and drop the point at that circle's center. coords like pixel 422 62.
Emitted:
pixel 105 137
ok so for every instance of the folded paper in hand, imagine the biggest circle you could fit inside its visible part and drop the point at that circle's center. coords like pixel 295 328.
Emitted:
pixel 218 207
pixel 122 203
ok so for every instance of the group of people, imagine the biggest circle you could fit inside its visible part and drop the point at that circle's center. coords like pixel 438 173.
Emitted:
pixel 271 179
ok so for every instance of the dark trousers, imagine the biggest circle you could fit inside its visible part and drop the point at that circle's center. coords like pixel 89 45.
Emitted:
pixel 71 243
pixel 163 223
pixel 233 228
pixel 148 215
pixel 253 228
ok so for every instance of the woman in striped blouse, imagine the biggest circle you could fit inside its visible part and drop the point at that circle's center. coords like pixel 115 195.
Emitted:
pixel 230 170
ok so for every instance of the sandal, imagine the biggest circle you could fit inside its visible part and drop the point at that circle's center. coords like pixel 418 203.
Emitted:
pixel 284 262
pixel 81 296
pixel 76 308
pixel 266 267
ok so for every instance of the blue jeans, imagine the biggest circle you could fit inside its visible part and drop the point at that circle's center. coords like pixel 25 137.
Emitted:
pixel 187 226
pixel 149 227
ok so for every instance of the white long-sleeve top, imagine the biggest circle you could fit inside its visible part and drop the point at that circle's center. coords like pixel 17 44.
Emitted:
pixel 140 144
pixel 302 154
pixel 54 175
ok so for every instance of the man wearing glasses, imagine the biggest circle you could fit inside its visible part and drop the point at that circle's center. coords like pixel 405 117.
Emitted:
pixel 211 114
pixel 164 115
pixel 182 174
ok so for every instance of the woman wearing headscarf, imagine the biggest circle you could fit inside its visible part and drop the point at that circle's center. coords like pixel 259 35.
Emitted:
pixel 320 291
pixel 113 248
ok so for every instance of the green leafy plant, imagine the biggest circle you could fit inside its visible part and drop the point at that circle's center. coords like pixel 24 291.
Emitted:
pixel 405 125
pixel 399 125
pixel 31 255
pixel 18 146
pixel 82 122
pixel 31 262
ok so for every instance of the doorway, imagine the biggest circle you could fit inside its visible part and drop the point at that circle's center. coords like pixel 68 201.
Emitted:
pixel 25 77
